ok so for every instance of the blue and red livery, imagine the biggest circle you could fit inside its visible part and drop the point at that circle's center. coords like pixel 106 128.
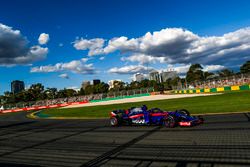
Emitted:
pixel 154 116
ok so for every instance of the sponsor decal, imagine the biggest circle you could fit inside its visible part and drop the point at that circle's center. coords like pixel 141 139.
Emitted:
pixel 185 123
pixel 138 121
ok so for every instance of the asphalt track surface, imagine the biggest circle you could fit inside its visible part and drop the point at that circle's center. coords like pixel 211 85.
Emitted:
pixel 224 140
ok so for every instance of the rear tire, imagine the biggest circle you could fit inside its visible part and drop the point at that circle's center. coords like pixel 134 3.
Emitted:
pixel 169 122
pixel 114 121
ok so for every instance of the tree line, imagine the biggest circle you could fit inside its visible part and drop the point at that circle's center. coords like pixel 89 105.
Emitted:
pixel 194 74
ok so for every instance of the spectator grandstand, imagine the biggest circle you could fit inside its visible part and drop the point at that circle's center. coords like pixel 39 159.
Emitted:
pixel 77 98
pixel 216 81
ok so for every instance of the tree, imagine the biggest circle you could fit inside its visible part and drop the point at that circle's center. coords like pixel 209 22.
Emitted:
pixel 175 81
pixel 144 83
pixel 101 88
pixel 37 91
pixel 226 73
pixel 89 90
pixel 134 85
pixel 51 93
pixel 61 94
pixel 104 87
pixel 9 97
pixel 81 92
pixel 167 85
pixel 70 92
pixel 208 75
pixel 66 93
pixel 195 73
pixel 26 96
pixel 245 68
pixel 158 87
pixel 118 85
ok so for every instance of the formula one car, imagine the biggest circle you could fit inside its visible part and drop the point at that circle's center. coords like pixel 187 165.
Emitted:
pixel 154 116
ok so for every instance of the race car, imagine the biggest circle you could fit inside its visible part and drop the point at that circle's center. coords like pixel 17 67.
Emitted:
pixel 154 116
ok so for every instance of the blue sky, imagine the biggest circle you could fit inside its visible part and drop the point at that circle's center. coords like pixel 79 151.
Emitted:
pixel 192 24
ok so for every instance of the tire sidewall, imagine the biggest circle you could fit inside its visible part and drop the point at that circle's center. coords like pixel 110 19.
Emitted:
pixel 169 122
pixel 114 121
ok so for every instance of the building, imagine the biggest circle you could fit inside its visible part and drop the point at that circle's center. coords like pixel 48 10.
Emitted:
pixel 154 75
pixel 96 81
pixel 112 83
pixel 165 75
pixel 85 84
pixel 138 77
pixel 17 86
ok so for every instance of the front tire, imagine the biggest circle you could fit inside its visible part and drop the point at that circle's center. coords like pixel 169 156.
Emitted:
pixel 114 121
pixel 169 122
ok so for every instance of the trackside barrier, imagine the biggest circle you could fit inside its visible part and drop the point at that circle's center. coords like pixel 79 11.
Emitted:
pixel 155 93
pixel 214 90
pixel 121 97
pixel 42 107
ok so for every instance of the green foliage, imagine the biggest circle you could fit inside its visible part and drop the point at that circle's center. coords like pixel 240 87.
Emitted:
pixel 89 89
pixel 66 93
pixel 168 85
pixel 101 88
pixel 226 73
pixel 195 73
pixel 51 93
pixel 245 68
pixel 81 92
pixel 208 75
pixel 36 92
pixel 95 89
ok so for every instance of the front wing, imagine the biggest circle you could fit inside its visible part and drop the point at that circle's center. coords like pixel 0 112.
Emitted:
pixel 191 123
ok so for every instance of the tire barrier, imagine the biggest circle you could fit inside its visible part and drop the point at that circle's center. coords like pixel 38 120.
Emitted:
pixel 214 90
pixel 42 107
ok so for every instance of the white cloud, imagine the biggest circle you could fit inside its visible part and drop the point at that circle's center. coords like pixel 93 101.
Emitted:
pixel 183 69
pixel 167 42
pixel 95 46
pixel 75 66
pixel 36 53
pixel 102 58
pixel 66 76
pixel 180 46
pixel 14 49
pixel 43 38
pixel 131 69
pixel 144 59
pixel 180 69
pixel 121 43
pixel 213 68
pixel 47 68
pixel 84 60
pixel 74 88
pixel 39 51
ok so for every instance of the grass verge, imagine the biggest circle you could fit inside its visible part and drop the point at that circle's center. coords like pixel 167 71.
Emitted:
pixel 227 102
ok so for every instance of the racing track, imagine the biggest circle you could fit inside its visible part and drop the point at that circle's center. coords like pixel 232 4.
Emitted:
pixel 224 140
